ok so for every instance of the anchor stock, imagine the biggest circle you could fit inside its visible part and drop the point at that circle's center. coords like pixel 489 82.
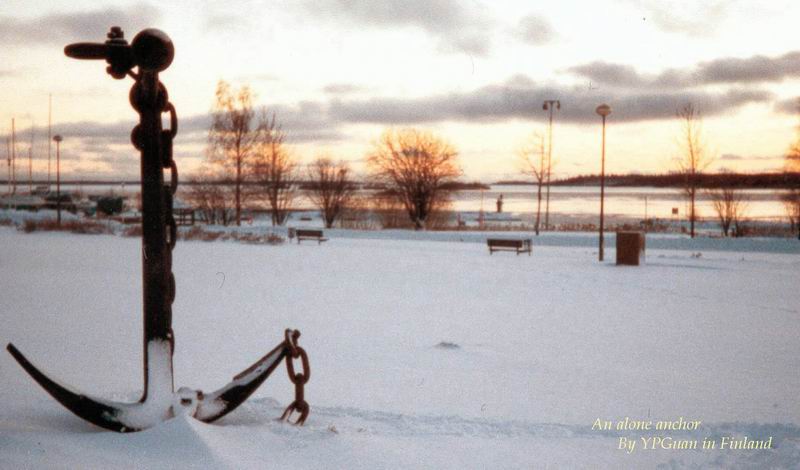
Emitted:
pixel 151 52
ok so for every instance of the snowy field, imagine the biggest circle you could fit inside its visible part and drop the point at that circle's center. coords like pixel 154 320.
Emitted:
pixel 544 345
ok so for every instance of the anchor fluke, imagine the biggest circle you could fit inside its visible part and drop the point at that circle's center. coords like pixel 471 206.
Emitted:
pixel 214 406
pixel 92 410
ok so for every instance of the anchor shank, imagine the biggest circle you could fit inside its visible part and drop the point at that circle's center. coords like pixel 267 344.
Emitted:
pixel 156 256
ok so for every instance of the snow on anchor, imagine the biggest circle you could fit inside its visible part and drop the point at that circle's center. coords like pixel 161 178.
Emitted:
pixel 152 52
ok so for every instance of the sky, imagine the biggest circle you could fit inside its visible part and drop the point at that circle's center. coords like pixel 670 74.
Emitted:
pixel 337 73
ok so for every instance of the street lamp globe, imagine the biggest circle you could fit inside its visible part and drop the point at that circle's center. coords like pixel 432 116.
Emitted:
pixel 603 110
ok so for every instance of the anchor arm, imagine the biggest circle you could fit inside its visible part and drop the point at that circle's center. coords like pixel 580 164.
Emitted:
pixel 91 409
pixel 215 405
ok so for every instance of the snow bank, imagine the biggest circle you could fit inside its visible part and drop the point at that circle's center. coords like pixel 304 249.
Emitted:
pixel 547 344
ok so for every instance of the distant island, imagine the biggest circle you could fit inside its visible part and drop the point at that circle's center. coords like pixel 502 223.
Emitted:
pixel 706 180
pixel 302 184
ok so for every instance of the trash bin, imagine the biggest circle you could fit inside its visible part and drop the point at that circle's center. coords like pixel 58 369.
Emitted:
pixel 292 233
pixel 629 247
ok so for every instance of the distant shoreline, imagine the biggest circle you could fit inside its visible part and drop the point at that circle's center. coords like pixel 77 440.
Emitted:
pixel 671 180
pixel 704 180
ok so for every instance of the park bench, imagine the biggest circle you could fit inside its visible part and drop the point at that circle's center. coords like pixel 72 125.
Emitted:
pixel 304 234
pixel 502 244
pixel 183 216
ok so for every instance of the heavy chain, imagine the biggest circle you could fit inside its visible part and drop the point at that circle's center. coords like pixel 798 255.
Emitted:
pixel 167 137
pixel 293 351
pixel 157 102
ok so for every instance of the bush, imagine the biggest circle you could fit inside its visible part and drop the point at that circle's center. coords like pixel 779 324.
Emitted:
pixel 269 239
pixel 134 230
pixel 29 226
pixel 199 233
pixel 109 205
pixel 74 226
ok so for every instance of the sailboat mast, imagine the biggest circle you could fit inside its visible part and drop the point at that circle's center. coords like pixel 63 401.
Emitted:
pixel 13 158
pixel 8 160
pixel 49 135
pixel 30 162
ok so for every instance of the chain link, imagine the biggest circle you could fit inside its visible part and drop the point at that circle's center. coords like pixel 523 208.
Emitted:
pixel 293 351
pixel 154 99
pixel 167 137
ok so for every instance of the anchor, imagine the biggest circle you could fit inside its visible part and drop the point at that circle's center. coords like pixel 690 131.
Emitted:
pixel 151 52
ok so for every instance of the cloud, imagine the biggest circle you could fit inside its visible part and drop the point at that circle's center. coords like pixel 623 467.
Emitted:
pixel 258 77
pixel 753 158
pixel 303 122
pixel 107 145
pixel 225 22
pixel 755 69
pixel 608 74
pixel 460 26
pixel 62 28
pixel 751 70
pixel 789 106
pixel 690 18
pixel 343 88
pixel 520 98
pixel 535 30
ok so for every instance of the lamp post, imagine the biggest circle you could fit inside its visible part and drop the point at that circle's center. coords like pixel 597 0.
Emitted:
pixel 603 110
pixel 548 106
pixel 57 138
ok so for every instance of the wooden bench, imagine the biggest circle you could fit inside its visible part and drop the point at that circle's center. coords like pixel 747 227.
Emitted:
pixel 310 235
pixel 183 216
pixel 502 244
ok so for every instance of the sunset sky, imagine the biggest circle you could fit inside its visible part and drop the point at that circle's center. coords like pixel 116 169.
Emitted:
pixel 339 72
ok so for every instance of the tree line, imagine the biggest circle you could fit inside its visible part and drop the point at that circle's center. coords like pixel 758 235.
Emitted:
pixel 415 172
pixel 415 169
pixel 689 174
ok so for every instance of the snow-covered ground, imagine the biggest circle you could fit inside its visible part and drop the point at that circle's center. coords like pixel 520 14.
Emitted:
pixel 544 346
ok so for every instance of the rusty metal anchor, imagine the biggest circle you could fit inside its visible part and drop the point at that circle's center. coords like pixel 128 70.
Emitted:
pixel 152 51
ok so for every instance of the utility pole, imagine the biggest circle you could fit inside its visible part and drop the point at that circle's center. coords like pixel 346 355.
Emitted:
pixel 58 140
pixel 30 163
pixel 645 213
pixel 603 110
pixel 548 106
pixel 8 160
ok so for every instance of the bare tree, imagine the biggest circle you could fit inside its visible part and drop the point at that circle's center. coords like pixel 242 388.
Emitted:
pixel 414 165
pixel 331 188
pixel 791 198
pixel 695 157
pixel 275 170
pixel 531 166
pixel 730 204
pixel 209 194
pixel 791 201
pixel 233 137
